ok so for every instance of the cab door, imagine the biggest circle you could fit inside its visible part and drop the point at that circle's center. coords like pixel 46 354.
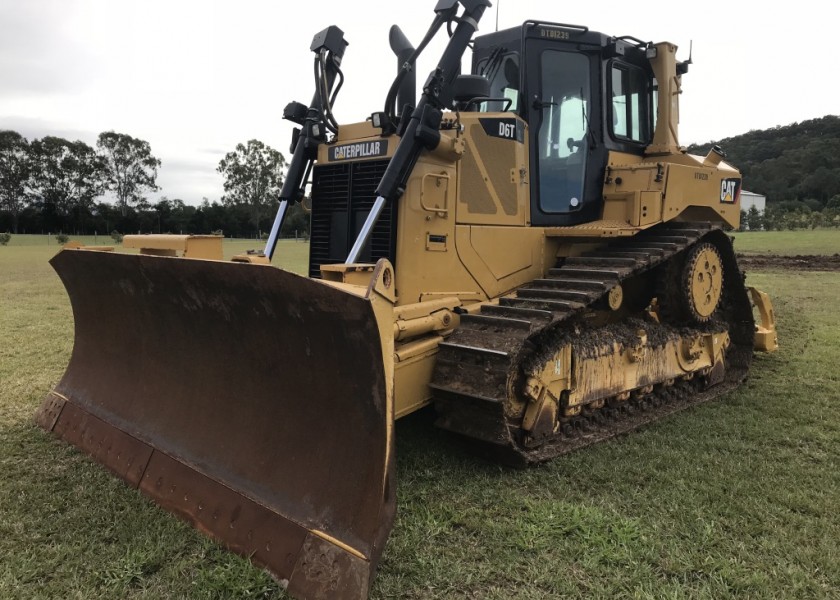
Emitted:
pixel 564 118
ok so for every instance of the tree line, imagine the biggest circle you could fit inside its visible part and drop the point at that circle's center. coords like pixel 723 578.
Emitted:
pixel 53 185
pixel 781 216
pixel 796 167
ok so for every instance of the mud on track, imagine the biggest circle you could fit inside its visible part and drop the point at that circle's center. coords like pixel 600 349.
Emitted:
pixel 763 262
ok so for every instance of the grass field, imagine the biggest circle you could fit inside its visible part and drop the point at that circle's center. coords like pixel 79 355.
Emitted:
pixel 736 498
pixel 290 255
pixel 790 243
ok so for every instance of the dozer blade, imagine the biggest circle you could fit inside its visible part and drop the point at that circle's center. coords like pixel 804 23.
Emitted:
pixel 254 403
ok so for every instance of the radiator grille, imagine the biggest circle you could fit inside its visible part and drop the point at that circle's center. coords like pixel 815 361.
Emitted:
pixel 342 196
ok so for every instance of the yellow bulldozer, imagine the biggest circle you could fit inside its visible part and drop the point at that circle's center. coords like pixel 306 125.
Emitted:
pixel 525 247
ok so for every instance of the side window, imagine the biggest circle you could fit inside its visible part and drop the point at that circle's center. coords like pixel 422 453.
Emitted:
pixel 630 102
pixel 502 70
pixel 654 111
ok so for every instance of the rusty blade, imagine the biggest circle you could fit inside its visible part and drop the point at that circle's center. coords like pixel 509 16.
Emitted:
pixel 250 401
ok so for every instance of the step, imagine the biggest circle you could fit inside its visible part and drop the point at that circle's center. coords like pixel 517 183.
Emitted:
pixel 460 395
pixel 493 321
pixel 548 293
pixel 540 304
pixel 634 251
pixel 515 312
pixel 665 247
pixel 679 240
pixel 474 350
pixel 600 261
pixel 604 274
pixel 567 284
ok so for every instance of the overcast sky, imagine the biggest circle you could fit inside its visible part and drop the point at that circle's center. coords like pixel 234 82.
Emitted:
pixel 196 77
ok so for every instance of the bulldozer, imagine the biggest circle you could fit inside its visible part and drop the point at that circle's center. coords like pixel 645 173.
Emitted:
pixel 526 248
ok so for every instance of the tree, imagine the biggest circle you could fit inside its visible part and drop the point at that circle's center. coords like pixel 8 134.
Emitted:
pixel 253 178
pixel 297 221
pixel 15 168
pixel 754 219
pixel 66 176
pixel 132 169
pixel 174 215
pixel 800 160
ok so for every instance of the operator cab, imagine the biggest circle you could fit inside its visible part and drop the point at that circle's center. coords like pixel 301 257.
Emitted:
pixel 583 94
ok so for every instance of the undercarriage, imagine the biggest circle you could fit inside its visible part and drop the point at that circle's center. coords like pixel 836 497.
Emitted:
pixel 608 341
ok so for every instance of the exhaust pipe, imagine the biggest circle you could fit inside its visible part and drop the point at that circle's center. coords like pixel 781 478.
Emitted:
pixel 714 157
pixel 407 93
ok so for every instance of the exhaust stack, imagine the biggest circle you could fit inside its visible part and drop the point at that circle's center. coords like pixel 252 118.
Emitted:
pixel 407 93
pixel 663 60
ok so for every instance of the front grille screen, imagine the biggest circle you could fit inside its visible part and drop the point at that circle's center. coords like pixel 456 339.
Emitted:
pixel 342 196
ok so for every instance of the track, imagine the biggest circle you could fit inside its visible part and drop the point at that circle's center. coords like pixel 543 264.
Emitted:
pixel 484 360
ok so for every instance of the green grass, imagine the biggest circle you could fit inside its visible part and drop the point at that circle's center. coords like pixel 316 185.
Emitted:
pixel 734 499
pixel 68 529
pixel 790 243
pixel 812 241
pixel 289 254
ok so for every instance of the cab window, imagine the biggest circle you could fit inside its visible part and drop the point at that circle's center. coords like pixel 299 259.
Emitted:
pixel 502 70
pixel 630 104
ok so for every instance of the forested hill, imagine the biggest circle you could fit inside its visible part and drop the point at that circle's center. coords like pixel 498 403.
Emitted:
pixel 795 162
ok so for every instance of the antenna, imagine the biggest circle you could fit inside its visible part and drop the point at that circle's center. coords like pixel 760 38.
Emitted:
pixel 682 67
pixel 498 2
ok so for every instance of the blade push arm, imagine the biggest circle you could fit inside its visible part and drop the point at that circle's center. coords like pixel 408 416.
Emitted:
pixel 328 46
pixel 423 130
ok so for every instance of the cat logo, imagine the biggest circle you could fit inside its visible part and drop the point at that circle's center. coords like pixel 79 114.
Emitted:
pixel 730 190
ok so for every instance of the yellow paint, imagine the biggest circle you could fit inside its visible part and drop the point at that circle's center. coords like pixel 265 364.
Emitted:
pixel 339 544
pixel 208 247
